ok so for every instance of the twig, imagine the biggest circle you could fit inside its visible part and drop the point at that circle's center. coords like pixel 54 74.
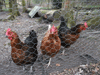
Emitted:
pixel 76 16
pixel 95 32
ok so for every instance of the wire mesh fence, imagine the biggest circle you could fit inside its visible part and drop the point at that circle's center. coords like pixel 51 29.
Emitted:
pixel 67 44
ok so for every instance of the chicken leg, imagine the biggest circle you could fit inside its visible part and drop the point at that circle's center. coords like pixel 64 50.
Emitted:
pixel 31 69
pixel 23 67
pixel 49 63
pixel 63 52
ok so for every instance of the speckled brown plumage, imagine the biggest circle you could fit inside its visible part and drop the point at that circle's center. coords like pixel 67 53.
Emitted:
pixel 20 53
pixel 51 44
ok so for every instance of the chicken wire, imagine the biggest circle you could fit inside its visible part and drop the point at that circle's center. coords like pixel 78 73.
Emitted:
pixel 87 43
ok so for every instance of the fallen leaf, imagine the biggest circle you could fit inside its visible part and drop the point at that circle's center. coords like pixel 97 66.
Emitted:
pixel 97 68
pixel 18 23
pixel 69 70
pixel 66 69
pixel 57 64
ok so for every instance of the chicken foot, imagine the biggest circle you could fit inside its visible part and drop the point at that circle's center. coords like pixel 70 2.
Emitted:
pixel 23 67
pixel 49 63
pixel 31 69
pixel 63 52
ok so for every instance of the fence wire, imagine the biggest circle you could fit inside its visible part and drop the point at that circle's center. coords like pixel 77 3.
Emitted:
pixel 65 41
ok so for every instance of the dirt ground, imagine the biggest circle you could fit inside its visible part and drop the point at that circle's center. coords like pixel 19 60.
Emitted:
pixel 88 43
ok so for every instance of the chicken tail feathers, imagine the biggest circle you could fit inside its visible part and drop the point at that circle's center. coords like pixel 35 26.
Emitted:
pixel 33 33
pixel 63 22
pixel 62 18
pixel 49 27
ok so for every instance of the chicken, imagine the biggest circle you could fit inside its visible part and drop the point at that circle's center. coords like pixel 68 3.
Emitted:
pixel 51 43
pixel 47 18
pixel 69 36
pixel 32 41
pixel 21 53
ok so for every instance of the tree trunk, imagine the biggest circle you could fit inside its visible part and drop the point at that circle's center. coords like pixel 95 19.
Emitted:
pixel 68 13
pixel 10 5
pixel 15 11
pixel 24 4
pixel 94 22
pixel 57 4
pixel 15 8
pixel 49 15
pixel 1 3
pixel 28 3
pixel 4 3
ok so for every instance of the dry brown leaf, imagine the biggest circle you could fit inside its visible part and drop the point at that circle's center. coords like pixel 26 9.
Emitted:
pixel 57 64
pixel 97 68
pixel 69 70
pixel 66 69
pixel 18 23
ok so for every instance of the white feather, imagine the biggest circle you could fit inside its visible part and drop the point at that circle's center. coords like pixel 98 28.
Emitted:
pixel 49 27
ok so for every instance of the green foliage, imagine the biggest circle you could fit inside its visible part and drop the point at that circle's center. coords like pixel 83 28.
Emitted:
pixel 91 6
pixel 95 21
pixel 57 15
pixel 36 1
pixel 10 6
pixel 44 8
pixel 69 14
pixel 24 4
pixel 40 19
pixel 5 9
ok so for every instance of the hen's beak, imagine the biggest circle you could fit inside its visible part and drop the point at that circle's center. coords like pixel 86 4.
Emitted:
pixel 86 25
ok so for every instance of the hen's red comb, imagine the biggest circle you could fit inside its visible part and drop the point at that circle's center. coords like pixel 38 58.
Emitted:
pixel 85 24
pixel 8 31
pixel 53 26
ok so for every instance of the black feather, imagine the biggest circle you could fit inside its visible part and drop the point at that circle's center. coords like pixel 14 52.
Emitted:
pixel 62 30
pixel 66 34
pixel 32 41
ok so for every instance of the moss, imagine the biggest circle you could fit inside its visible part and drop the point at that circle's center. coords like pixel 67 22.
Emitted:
pixel 9 44
pixel 70 17
pixel 55 21
pixel 10 14
pixel 94 22
pixel 69 14
pixel 87 13
pixel 0 19
pixel 71 21
pixel 92 6
pixel 12 17
pixel 40 19
pixel 57 15
pixel 1 5
pixel 15 11
pixel 44 11
pixel 45 8
pixel 24 8
pixel 4 44
pixel 84 16
pixel 58 27
pixel 5 20
pixel 10 5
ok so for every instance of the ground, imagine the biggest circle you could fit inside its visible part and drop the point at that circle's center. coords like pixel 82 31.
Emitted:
pixel 88 43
